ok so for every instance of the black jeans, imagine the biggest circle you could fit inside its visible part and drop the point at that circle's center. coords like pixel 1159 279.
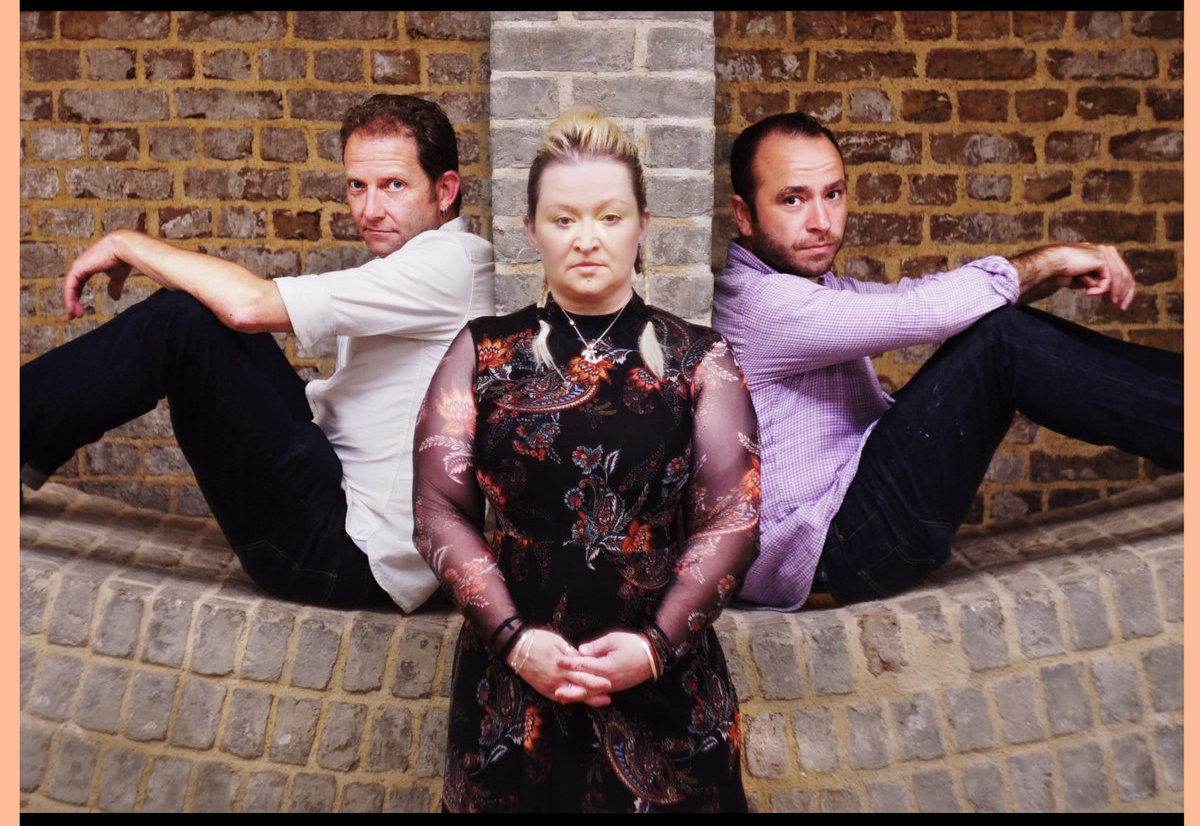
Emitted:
pixel 242 420
pixel 924 461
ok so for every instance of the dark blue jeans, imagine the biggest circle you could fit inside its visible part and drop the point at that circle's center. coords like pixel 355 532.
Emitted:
pixel 921 466
pixel 241 418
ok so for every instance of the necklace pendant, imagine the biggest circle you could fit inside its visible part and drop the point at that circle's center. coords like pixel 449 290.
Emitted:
pixel 589 354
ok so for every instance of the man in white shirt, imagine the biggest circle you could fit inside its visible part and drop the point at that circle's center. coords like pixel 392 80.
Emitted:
pixel 311 485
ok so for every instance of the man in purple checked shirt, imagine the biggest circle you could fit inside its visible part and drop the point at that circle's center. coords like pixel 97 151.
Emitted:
pixel 862 492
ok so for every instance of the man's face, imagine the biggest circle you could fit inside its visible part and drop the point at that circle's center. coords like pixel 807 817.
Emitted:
pixel 391 198
pixel 800 204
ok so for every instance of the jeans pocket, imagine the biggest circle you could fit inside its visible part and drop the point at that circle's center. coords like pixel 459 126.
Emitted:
pixel 279 575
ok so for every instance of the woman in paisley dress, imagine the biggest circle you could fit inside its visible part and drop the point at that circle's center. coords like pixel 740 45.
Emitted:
pixel 615 444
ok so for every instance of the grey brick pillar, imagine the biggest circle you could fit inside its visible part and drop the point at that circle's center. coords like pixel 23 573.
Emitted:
pixel 652 72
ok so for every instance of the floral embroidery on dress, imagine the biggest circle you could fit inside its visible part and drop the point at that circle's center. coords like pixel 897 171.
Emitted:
pixel 621 501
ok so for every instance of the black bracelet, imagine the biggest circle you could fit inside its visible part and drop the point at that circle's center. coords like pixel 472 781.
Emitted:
pixel 501 628
pixel 511 641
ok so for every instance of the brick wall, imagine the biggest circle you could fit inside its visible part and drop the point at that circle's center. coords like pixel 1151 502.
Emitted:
pixel 965 134
pixel 970 133
pixel 218 131
pixel 652 73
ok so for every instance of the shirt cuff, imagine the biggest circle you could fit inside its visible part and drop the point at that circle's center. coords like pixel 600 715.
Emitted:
pixel 1007 281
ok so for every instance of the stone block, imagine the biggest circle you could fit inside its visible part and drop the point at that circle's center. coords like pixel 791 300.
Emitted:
pixel 983 786
pixel 1084 786
pixel 362 797
pixel 1018 707
pixel 34 756
pixel 1087 615
pixel 316 651
pixel 816 740
pixel 829 665
pixel 167 785
pixel 982 624
pixel 341 737
pixel 217 632
pixel 72 613
pixel 1068 703
pixel 150 700
pixel 73 770
pixel 917 722
pixel 99 707
pixel 774 658
pixel 889 797
pixel 294 730
pixel 591 49
pixel 390 740
pixel 167 631
pixel 934 791
pixel 1164 672
pixel 55 686
pixel 524 98
pixel 1118 689
pixel 417 658
pixel 367 654
pixel 1133 768
pixel 1134 596
pixel 120 624
pixel 246 722
pixel 407 799
pixel 312 793
pixel 216 786
pixel 264 793
pixel 431 749
pixel 120 773
pixel 868 747
pixel 970 718
pixel 1168 742
pixel 197 714
pixel 1032 781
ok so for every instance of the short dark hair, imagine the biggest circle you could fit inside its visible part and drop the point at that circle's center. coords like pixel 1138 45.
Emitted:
pixel 422 120
pixel 741 158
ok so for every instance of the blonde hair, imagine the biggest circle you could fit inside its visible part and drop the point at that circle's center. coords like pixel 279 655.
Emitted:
pixel 583 134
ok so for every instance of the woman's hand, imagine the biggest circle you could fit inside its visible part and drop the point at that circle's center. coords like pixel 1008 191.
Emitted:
pixel 620 658
pixel 544 659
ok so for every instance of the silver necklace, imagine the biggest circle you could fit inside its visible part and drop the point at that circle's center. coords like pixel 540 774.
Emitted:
pixel 589 347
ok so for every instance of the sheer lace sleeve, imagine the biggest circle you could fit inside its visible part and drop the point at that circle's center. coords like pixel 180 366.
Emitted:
pixel 721 506
pixel 448 504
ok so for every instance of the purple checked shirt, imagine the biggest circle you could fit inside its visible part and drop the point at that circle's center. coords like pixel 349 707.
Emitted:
pixel 805 349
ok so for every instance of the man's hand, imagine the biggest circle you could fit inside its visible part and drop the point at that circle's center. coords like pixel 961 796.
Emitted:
pixel 543 659
pixel 1096 268
pixel 100 257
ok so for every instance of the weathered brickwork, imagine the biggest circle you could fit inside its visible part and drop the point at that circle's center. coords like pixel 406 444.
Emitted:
pixel 1042 671
pixel 965 133
pixel 652 73
pixel 971 133
pixel 219 132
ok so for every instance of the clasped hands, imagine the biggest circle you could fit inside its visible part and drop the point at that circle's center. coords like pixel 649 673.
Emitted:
pixel 588 674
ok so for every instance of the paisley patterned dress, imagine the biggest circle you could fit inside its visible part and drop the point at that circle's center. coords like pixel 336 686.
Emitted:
pixel 622 502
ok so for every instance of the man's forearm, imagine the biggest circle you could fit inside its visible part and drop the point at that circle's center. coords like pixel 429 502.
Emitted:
pixel 238 297
pixel 1098 269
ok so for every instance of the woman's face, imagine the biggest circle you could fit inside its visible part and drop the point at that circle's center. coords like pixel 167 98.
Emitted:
pixel 587 228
